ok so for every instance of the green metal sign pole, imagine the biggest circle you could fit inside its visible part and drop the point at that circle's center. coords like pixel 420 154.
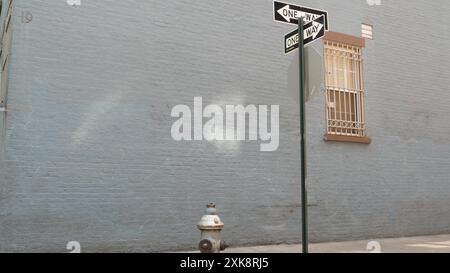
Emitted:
pixel 302 136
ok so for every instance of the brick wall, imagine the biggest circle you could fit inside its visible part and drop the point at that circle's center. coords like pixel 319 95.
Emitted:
pixel 86 150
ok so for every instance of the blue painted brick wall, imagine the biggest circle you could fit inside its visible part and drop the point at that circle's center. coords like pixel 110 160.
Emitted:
pixel 86 152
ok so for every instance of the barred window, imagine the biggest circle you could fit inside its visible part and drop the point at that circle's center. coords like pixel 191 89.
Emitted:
pixel 344 90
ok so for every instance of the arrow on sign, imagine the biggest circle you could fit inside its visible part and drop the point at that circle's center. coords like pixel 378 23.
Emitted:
pixel 312 31
pixel 288 13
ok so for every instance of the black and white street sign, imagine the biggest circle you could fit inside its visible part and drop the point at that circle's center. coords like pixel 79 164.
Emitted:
pixel 312 31
pixel 288 13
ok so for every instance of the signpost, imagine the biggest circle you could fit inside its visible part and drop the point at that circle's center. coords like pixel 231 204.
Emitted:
pixel 312 31
pixel 301 56
pixel 312 24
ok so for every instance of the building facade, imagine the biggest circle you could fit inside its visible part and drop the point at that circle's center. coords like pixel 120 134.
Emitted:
pixel 86 152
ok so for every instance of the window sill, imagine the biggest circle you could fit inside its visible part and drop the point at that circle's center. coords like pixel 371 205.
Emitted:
pixel 351 139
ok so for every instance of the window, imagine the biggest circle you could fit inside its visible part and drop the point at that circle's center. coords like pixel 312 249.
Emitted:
pixel 367 31
pixel 344 89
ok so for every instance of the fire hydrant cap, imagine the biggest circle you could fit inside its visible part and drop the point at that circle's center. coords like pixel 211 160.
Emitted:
pixel 210 221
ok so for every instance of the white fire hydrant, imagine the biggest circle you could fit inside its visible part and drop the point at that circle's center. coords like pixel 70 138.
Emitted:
pixel 210 227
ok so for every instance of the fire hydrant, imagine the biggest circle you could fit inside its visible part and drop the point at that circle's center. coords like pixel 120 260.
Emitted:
pixel 210 227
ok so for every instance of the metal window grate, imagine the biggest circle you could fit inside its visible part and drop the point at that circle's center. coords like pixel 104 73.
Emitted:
pixel 345 90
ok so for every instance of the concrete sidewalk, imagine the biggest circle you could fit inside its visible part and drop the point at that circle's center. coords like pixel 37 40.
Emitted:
pixel 424 244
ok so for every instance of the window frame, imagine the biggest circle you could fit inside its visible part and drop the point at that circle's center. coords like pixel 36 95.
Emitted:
pixel 355 42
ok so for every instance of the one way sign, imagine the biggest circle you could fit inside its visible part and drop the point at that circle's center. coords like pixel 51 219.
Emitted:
pixel 312 31
pixel 288 13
